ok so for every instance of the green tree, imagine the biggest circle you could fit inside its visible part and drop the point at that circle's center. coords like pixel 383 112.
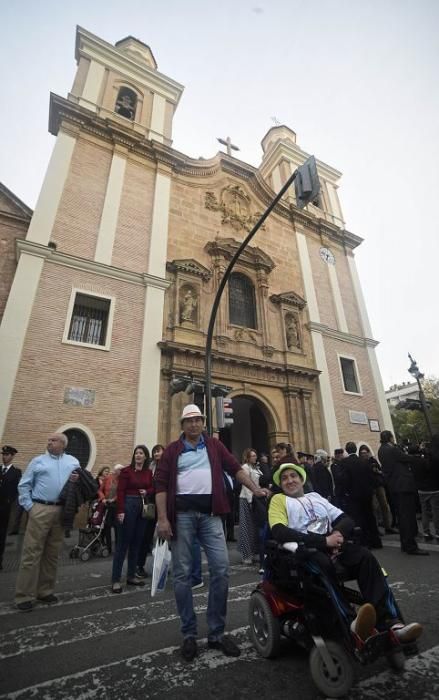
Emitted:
pixel 410 425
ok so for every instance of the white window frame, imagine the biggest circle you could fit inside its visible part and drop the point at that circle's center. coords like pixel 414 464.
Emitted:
pixel 66 339
pixel 357 375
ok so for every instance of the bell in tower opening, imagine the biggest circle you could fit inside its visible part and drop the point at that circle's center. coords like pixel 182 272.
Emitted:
pixel 126 103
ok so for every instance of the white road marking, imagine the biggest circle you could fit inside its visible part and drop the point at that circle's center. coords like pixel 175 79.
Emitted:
pixel 103 623
pixel 149 674
pixel 104 591
pixel 420 680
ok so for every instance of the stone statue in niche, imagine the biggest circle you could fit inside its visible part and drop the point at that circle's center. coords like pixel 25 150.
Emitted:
pixel 292 332
pixel 188 305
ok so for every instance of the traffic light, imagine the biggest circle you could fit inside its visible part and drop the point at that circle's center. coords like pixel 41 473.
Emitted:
pixel 178 384
pixel 220 390
pixel 194 387
pixel 224 412
pixel 306 183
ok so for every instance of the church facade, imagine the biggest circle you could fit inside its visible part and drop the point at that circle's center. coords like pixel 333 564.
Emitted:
pixel 113 277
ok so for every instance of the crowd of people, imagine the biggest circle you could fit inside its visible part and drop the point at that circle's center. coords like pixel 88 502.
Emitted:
pixel 194 493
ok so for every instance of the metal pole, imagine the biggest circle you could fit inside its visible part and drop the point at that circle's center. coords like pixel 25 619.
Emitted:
pixel 425 408
pixel 208 357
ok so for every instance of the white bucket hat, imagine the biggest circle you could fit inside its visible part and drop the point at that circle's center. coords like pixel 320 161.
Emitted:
pixel 191 411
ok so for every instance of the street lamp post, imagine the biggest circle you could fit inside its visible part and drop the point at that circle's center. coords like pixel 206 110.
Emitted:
pixel 417 374
pixel 307 189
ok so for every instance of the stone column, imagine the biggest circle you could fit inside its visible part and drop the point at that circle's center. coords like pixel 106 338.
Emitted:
pixel 261 277
pixel 308 420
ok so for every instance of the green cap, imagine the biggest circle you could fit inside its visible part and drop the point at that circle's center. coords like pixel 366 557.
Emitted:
pixel 277 474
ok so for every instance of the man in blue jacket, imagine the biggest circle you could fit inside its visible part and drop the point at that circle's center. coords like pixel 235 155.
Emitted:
pixel 38 493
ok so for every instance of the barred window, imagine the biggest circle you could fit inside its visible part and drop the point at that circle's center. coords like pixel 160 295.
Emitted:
pixel 350 379
pixel 89 320
pixel 242 305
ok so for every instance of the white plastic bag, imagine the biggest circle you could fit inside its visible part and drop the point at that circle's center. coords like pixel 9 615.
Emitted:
pixel 162 559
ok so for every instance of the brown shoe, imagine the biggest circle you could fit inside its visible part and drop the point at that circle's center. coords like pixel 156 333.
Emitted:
pixel 364 623
pixel 407 633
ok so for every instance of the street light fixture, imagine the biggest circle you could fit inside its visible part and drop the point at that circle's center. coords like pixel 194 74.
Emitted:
pixel 417 374
pixel 307 189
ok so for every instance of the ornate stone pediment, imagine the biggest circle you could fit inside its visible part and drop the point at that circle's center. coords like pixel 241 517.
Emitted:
pixel 191 267
pixel 234 204
pixel 289 299
pixel 251 256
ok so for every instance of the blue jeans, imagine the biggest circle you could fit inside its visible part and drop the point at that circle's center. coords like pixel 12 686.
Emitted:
pixel 197 576
pixel 208 530
pixel 130 538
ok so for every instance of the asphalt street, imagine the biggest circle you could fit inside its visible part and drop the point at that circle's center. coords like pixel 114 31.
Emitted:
pixel 94 644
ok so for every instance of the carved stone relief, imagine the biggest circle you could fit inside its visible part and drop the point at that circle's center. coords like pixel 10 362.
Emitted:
pixel 235 207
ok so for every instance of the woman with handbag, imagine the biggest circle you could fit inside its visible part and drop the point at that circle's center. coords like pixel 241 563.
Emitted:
pixel 248 544
pixel 134 487
pixel 146 544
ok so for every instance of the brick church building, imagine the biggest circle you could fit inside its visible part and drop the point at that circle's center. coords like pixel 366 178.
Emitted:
pixel 106 288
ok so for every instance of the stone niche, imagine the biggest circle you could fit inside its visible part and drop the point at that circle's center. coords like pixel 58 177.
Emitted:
pixel 186 293
pixel 291 307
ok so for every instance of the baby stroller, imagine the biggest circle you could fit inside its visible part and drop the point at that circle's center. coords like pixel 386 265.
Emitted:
pixel 91 538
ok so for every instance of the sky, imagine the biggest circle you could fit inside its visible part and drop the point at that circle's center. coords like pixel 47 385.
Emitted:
pixel 357 80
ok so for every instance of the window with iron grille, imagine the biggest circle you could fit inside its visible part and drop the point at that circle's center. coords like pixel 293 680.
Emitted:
pixel 350 379
pixel 242 305
pixel 89 319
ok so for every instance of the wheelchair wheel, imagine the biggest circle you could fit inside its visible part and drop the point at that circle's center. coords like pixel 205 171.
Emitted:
pixel 105 552
pixel 332 686
pixel 264 627
pixel 396 660
pixel 85 555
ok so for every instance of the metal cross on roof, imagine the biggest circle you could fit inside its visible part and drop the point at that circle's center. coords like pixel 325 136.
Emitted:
pixel 229 145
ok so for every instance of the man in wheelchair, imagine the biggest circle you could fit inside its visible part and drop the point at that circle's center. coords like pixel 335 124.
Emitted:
pixel 311 520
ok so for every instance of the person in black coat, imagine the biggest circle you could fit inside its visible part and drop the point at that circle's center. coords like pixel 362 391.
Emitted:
pixel 398 472
pixel 359 485
pixel 9 478
pixel 321 476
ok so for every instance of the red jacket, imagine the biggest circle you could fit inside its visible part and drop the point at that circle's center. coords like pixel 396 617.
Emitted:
pixel 129 484
pixel 165 477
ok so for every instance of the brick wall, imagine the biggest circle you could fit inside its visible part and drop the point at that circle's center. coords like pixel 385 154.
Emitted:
pixel 48 366
pixel 133 235
pixel 80 209
pixel 344 402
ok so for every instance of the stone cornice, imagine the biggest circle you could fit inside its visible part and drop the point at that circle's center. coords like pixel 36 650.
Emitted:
pixel 94 48
pixel 25 211
pixel 170 347
pixel 191 267
pixel 54 256
pixel 74 117
pixel 340 335
pixel 289 299
pixel 250 256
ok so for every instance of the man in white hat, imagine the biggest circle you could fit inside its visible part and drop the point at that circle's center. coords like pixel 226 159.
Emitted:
pixel 191 498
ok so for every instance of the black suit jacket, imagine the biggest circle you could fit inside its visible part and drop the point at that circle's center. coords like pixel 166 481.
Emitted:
pixel 359 478
pixel 397 468
pixel 8 486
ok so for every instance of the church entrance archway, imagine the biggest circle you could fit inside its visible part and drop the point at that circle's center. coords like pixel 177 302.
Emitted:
pixel 249 429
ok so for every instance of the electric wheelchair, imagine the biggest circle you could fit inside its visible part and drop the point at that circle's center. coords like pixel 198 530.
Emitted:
pixel 297 601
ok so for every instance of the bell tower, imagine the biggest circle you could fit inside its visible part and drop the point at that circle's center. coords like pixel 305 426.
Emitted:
pixel 122 83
